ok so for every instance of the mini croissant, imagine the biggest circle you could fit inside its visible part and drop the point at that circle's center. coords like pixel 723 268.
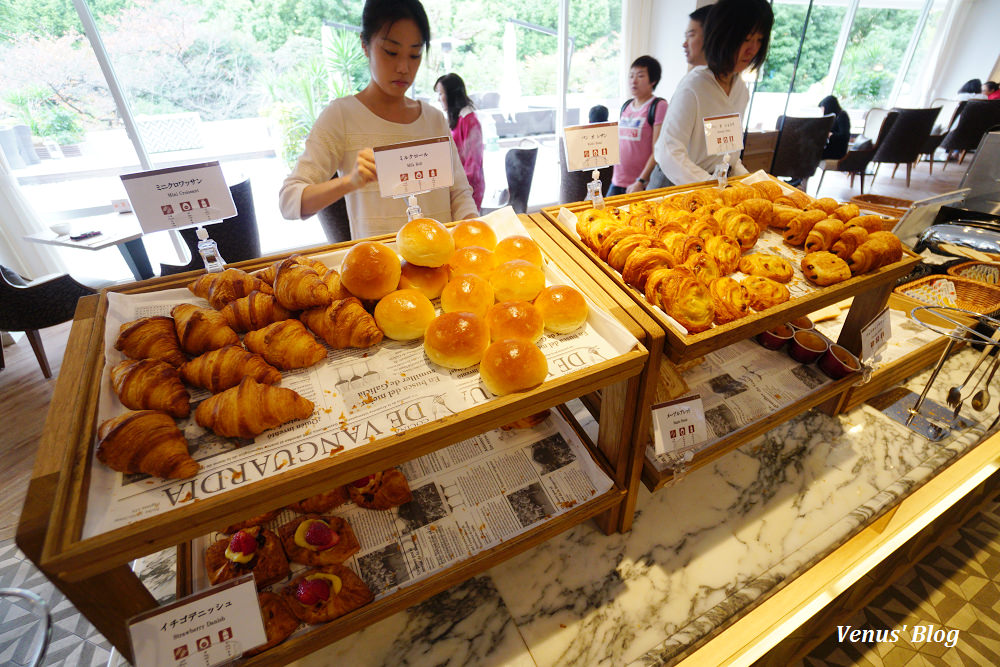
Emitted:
pixel 824 234
pixel 285 344
pixel 201 329
pixel 344 323
pixel 151 338
pixel 221 288
pixel 848 241
pixel 226 367
pixel 150 384
pixel 250 408
pixel 254 311
pixel 145 441
pixel 298 287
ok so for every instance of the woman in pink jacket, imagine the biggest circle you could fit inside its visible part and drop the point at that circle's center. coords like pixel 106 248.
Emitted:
pixel 465 130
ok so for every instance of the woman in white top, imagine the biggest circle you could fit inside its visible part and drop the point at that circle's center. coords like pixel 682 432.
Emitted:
pixel 737 33
pixel 394 35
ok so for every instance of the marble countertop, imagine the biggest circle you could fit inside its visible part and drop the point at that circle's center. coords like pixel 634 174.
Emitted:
pixel 700 551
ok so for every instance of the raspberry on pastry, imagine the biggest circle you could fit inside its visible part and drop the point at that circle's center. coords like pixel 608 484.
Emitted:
pixel 381 490
pixel 253 549
pixel 312 539
pixel 321 595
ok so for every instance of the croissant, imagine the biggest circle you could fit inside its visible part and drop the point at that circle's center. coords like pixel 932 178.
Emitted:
pixel 798 198
pixel 297 286
pixel 736 193
pixel 226 367
pixel 800 226
pixel 705 228
pixel 771 266
pixel 622 249
pixel 782 215
pixel 201 329
pixel 344 323
pixel 250 408
pixel 768 190
pixel 759 209
pixel 145 441
pixel 253 311
pixel 285 344
pixel 682 246
pixel 729 299
pixel 726 250
pixel 703 266
pixel 743 228
pixel 267 273
pixel 221 288
pixel 641 262
pixel 881 249
pixel 824 234
pixel 150 384
pixel 849 240
pixel 824 268
pixel 151 338
pixel 871 223
pixel 826 204
pixel 845 212
pixel 764 292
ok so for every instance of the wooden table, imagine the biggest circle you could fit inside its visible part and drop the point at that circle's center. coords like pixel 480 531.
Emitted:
pixel 117 229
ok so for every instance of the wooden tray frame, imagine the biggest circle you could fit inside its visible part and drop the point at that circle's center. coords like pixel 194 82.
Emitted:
pixel 871 292
pixel 94 573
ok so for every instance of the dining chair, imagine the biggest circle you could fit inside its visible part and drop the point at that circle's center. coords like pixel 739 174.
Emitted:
pixel 799 149
pixel 976 119
pixel 519 164
pixel 946 118
pixel 573 184
pixel 238 237
pixel 904 141
pixel 860 154
pixel 28 306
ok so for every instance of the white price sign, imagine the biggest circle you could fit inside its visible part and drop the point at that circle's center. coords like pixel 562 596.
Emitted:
pixel 205 629
pixel 175 197
pixel 875 335
pixel 723 134
pixel 414 166
pixel 679 425
pixel 591 146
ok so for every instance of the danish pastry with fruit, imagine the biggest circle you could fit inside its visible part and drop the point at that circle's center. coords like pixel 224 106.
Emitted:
pixel 824 268
pixel 313 539
pixel 770 266
pixel 255 550
pixel 764 293
pixel 381 490
pixel 321 595
pixel 279 621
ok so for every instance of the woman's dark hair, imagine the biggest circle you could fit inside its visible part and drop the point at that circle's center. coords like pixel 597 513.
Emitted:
pixel 830 105
pixel 700 14
pixel 992 86
pixel 455 96
pixel 973 86
pixel 653 69
pixel 379 15
pixel 728 24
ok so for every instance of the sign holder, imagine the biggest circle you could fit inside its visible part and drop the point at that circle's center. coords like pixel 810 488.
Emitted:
pixel 723 136
pixel 413 168
pixel 592 147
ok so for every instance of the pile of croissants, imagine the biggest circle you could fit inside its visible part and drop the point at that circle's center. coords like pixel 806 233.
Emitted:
pixel 492 293
pixel 680 251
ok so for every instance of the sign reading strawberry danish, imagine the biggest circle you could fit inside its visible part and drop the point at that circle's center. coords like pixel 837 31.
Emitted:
pixel 591 146
pixel 413 167
pixel 207 628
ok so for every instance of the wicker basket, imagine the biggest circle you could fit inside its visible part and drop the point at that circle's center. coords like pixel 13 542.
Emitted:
pixel 984 272
pixel 890 206
pixel 971 295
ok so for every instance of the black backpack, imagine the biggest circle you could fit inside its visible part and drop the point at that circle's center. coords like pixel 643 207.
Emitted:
pixel 651 115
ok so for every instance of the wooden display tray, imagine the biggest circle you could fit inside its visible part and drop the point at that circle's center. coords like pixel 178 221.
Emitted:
pixel 94 574
pixel 325 633
pixel 872 290
pixel 892 374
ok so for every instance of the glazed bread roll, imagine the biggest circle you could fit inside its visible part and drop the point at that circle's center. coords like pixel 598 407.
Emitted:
pixel 468 293
pixel 370 270
pixel 456 340
pixel 474 232
pixel 515 319
pixel 429 280
pixel 512 365
pixel 517 280
pixel 425 242
pixel 562 307
pixel 472 259
pixel 404 314
pixel 518 247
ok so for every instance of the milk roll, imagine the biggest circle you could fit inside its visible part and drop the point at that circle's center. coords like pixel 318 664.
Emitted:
pixel 515 319
pixel 467 292
pixel 370 270
pixel 518 247
pixel 456 340
pixel 404 314
pixel 517 280
pixel 512 365
pixel 563 308
pixel 474 232
pixel 429 280
pixel 425 242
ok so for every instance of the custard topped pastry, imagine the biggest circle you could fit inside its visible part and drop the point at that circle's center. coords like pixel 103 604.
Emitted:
pixel 255 550
pixel 771 266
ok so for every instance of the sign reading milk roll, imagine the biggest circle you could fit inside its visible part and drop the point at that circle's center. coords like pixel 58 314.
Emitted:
pixel 591 146
pixel 413 167
pixel 723 134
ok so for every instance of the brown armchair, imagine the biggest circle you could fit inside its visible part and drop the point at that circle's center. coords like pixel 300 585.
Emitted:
pixel 904 141
pixel 976 118
pixel 878 122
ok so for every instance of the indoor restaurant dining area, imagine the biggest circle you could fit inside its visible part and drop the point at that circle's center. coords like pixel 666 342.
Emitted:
pixel 691 365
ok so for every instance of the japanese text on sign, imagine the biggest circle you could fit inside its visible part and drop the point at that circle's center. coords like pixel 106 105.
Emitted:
pixel 875 335
pixel 178 197
pixel 679 425
pixel 723 134
pixel 414 167
pixel 591 146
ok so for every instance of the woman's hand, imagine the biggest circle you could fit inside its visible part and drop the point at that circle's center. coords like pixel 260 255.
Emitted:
pixel 635 187
pixel 364 169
